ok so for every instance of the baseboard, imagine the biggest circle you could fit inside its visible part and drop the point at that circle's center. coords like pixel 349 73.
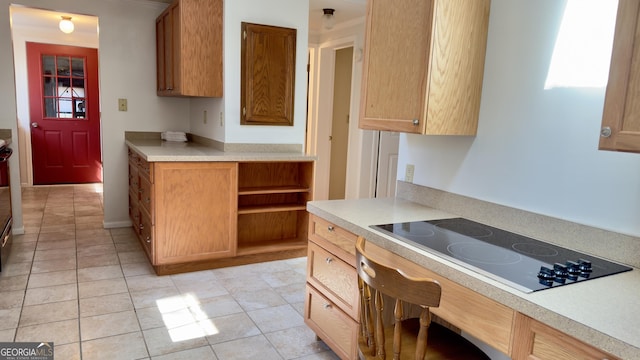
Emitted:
pixel 117 224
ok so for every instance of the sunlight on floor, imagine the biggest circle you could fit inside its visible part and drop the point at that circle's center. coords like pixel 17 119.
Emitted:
pixel 582 52
pixel 184 319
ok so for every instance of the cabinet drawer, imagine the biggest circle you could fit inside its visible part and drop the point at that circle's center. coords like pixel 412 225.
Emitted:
pixel 534 340
pixel 134 213
pixel 336 279
pixel 334 327
pixel 145 231
pixel 146 198
pixel 336 240
pixel 146 169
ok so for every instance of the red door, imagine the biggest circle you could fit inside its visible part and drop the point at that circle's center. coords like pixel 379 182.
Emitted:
pixel 65 114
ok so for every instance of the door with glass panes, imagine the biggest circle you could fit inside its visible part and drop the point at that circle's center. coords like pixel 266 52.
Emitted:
pixel 64 114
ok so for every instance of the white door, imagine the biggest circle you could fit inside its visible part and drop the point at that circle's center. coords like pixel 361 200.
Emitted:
pixel 387 164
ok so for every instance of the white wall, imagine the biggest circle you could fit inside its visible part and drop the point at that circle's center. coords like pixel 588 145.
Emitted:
pixel 284 13
pixel 536 149
pixel 126 70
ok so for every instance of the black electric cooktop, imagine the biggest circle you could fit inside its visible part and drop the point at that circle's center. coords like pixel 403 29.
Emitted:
pixel 515 260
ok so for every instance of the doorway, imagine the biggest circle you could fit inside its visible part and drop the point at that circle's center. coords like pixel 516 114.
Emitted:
pixel 41 26
pixel 64 114
pixel 340 122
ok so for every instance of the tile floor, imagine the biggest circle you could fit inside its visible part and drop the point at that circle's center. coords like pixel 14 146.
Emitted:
pixel 92 292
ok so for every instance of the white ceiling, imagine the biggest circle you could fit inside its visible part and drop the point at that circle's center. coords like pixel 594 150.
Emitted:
pixel 345 11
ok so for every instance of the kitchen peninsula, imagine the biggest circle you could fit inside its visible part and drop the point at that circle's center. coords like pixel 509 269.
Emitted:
pixel 594 319
pixel 198 205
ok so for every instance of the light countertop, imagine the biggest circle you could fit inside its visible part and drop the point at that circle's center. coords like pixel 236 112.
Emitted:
pixel 156 150
pixel 603 312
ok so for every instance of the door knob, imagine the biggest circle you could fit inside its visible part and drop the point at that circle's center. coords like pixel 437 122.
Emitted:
pixel 34 124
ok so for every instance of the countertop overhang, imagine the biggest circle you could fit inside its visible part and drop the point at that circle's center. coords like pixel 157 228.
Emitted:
pixel 603 312
pixel 157 150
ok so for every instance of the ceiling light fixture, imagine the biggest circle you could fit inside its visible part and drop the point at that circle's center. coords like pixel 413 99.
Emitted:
pixel 328 20
pixel 66 26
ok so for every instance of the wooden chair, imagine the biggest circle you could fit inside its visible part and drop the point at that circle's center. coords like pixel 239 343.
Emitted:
pixel 403 338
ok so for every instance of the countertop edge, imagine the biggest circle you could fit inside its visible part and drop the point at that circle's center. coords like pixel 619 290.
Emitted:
pixel 494 290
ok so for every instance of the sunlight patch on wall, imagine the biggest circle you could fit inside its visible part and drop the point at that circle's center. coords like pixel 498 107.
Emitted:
pixel 582 52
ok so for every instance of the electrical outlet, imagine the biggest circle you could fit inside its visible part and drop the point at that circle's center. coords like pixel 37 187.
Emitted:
pixel 122 104
pixel 204 116
pixel 408 174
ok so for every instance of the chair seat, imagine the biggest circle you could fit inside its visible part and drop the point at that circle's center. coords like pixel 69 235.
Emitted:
pixel 442 343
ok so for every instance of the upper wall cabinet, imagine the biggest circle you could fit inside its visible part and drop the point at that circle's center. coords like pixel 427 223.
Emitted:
pixel 621 117
pixel 268 75
pixel 189 49
pixel 423 66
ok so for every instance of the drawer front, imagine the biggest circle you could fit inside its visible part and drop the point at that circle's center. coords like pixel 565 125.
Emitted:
pixel 146 198
pixel 134 213
pixel 336 279
pixel 146 234
pixel 334 327
pixel 333 238
pixel 145 169
pixel 134 179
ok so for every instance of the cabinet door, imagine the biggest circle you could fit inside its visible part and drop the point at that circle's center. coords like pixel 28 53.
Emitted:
pixel 267 75
pixel 396 53
pixel 423 66
pixel 195 211
pixel 621 115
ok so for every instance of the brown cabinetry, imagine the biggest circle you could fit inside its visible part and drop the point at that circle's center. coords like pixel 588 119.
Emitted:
pixel 198 215
pixel 621 116
pixel 332 303
pixel 189 49
pixel 183 212
pixel 423 66
pixel 271 193
pixel 267 75
pixel 536 341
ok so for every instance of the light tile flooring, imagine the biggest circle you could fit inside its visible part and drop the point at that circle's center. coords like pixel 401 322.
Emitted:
pixel 92 292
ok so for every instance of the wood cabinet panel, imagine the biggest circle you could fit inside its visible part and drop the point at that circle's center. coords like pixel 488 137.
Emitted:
pixel 189 49
pixel 332 325
pixel 621 114
pixel 336 279
pixel 267 75
pixel 336 240
pixel 423 66
pixel 195 211
pixel 536 341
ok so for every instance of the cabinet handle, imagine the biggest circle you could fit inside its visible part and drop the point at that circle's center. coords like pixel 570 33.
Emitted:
pixel 329 260
pixel 330 228
pixel 327 306
pixel 148 240
pixel 148 200
pixel 141 227
pixel 605 132
pixel 416 122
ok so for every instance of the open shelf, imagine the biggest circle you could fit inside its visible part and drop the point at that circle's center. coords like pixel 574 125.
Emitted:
pixel 262 190
pixel 271 246
pixel 270 208
pixel 272 203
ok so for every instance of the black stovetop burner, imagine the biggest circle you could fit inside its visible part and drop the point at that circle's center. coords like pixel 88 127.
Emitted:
pixel 518 261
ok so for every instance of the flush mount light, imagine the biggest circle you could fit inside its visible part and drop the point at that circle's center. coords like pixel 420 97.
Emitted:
pixel 328 21
pixel 66 26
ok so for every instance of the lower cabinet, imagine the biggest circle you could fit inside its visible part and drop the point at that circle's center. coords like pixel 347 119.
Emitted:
pixel 536 341
pixel 198 215
pixel 332 304
pixel 195 211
